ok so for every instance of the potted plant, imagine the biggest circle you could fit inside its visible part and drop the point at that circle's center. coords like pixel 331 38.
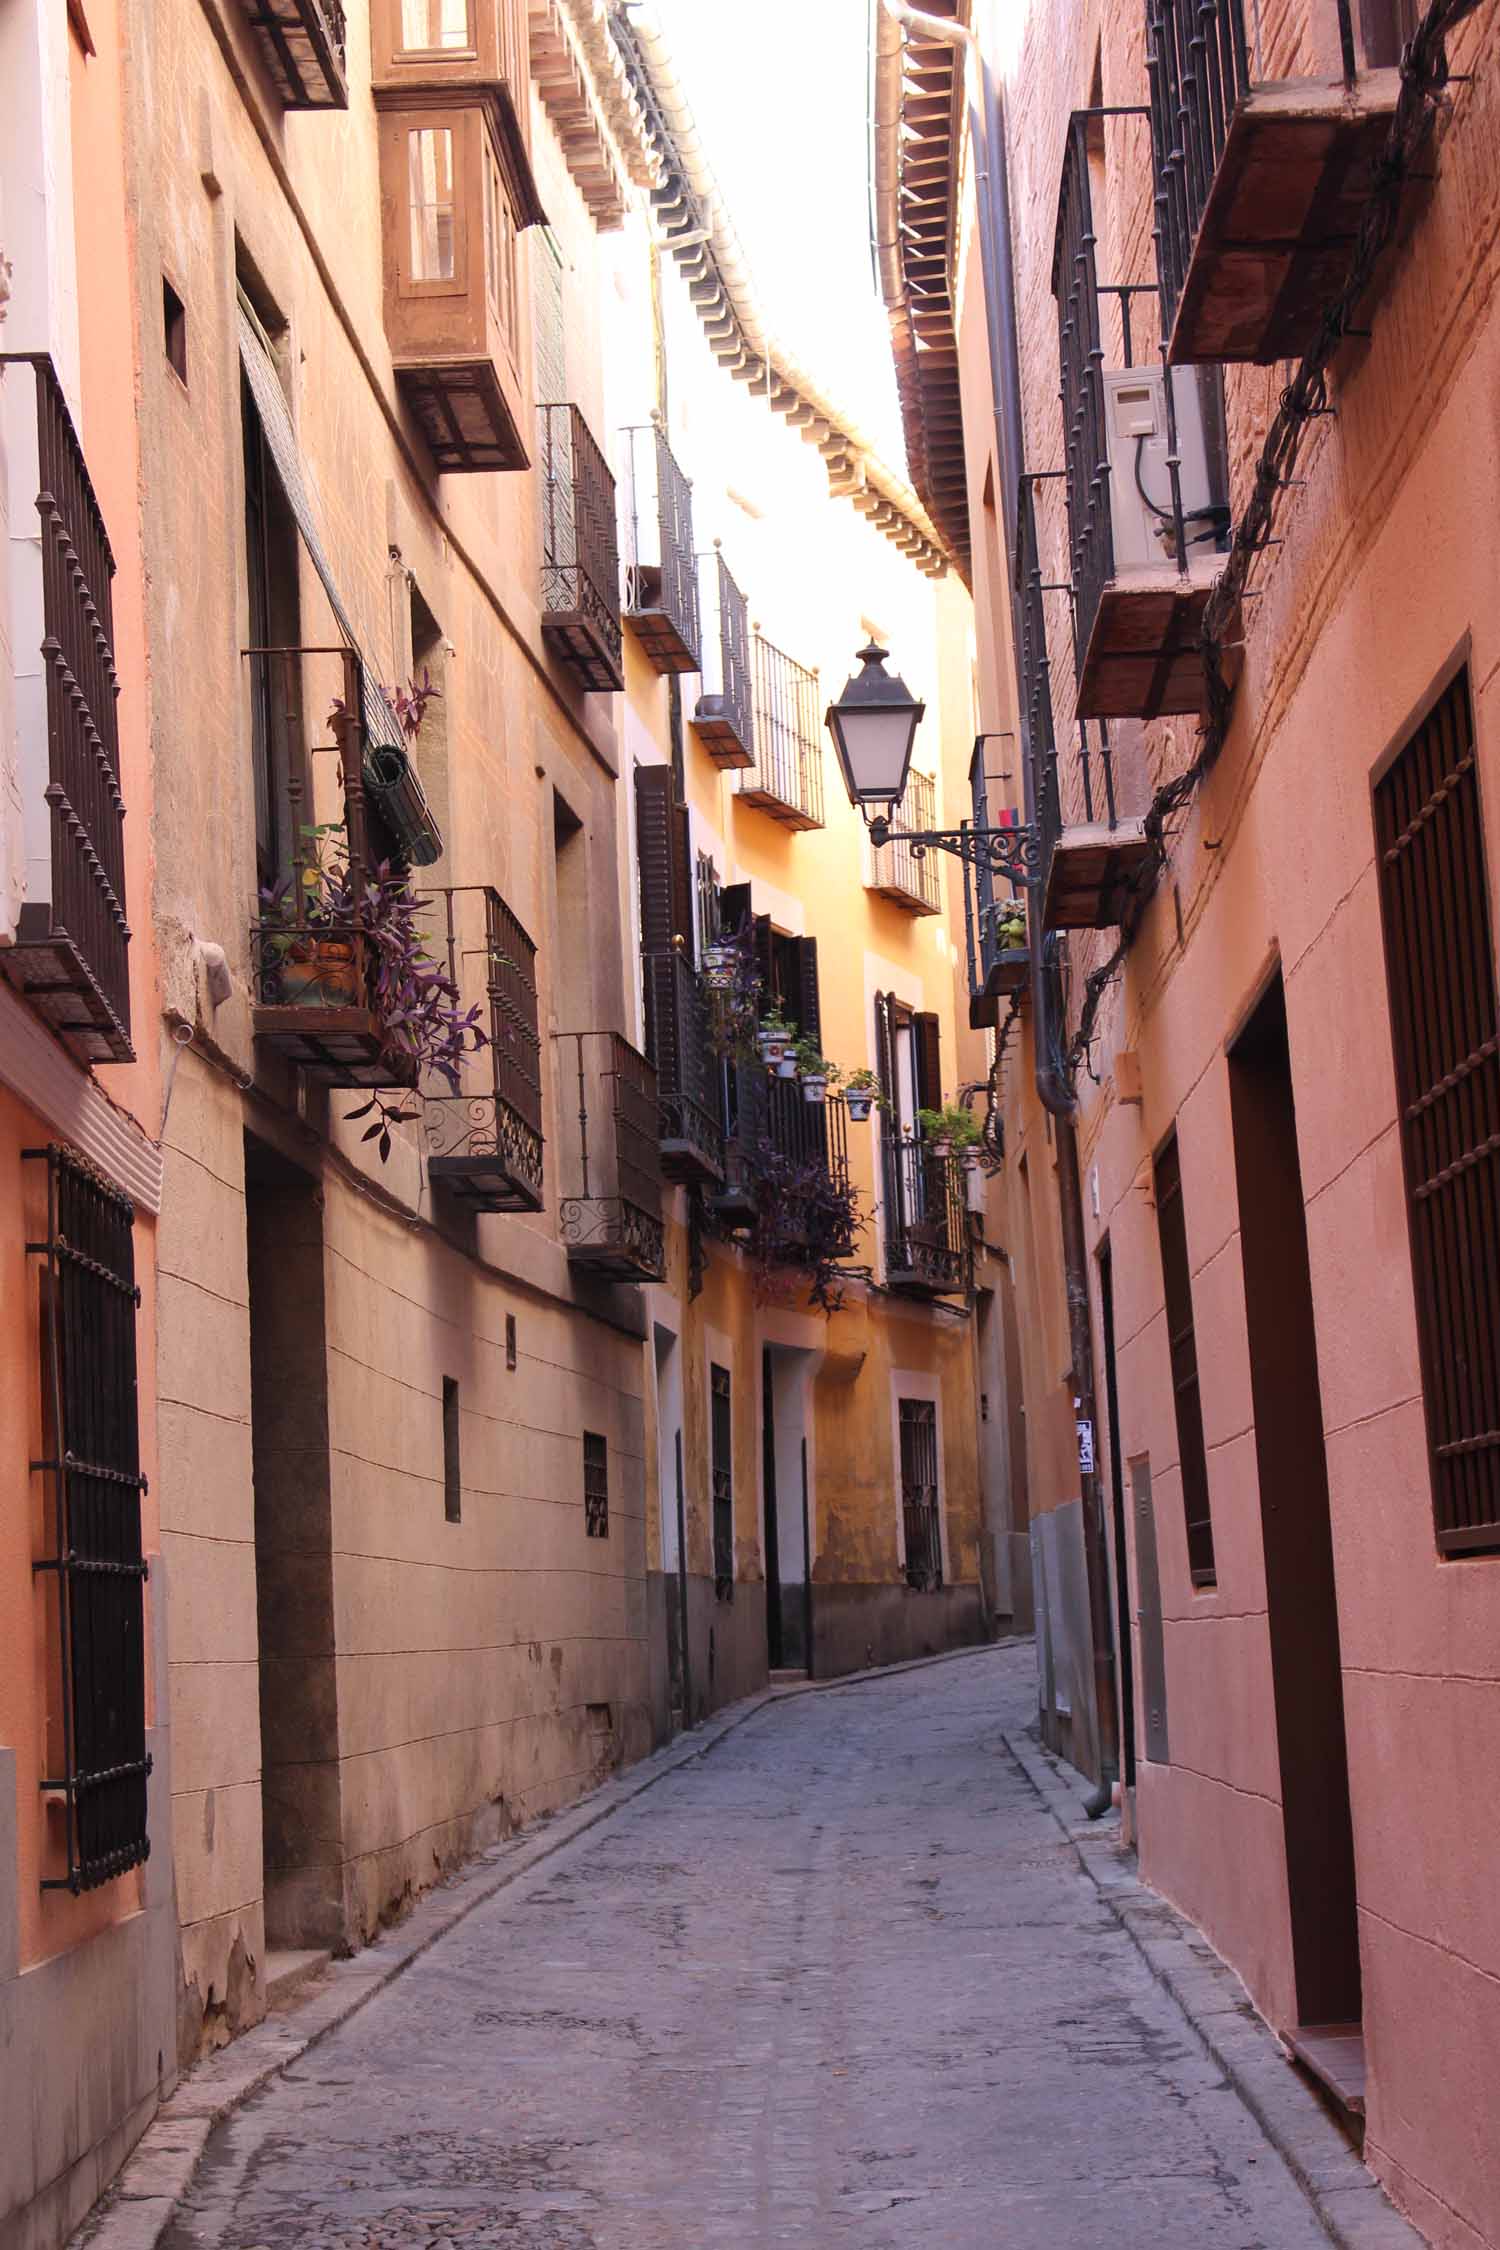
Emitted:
pixel 949 1128
pixel 816 1072
pixel 1010 927
pixel 775 1040
pixel 718 964
pixel 861 1093
pixel 309 945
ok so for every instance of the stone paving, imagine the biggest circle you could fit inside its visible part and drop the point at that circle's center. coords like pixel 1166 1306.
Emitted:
pixel 841 1982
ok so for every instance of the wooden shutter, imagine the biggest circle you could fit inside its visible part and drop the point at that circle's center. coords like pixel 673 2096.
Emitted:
pixel 665 862
pixel 1171 1223
pixel 926 1045
pixel 804 1000
pixel 1440 971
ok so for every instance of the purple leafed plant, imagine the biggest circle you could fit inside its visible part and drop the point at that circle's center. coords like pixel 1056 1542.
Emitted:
pixel 805 1219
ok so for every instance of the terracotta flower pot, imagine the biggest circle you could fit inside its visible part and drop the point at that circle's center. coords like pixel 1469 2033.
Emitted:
pixel 317 972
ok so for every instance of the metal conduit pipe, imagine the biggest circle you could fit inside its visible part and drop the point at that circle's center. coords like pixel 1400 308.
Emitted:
pixel 992 196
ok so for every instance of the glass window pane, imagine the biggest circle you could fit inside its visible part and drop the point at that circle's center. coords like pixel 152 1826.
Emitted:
pixel 430 171
pixel 428 26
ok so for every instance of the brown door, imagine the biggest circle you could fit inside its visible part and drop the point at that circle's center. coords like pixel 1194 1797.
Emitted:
pixel 1300 1592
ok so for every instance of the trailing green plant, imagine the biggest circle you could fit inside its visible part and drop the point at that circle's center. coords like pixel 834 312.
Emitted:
pixel 958 1126
pixel 812 1063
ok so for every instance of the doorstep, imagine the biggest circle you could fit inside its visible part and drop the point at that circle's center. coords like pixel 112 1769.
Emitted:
pixel 1334 2053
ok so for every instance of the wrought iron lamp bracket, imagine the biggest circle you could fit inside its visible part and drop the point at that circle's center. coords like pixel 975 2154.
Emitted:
pixel 1013 853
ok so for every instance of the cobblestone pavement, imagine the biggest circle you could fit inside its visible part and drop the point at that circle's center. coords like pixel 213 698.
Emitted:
pixel 840 1983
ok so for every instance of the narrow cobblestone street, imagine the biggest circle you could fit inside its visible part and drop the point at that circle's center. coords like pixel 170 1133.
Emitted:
pixel 840 1982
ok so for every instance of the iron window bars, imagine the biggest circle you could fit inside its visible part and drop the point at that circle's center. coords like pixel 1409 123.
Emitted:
pixel 1445 1030
pixel 595 1485
pixel 921 1528
pixel 486 1147
pixel 580 550
pixel 70 960
pixel 609 1213
pixel 786 779
pixel 661 571
pixel 1198 67
pixel 722 1473
pixel 303 45
pixel 91 1461
pixel 724 718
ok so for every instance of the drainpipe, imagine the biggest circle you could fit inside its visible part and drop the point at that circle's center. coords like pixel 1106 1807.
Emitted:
pixel 993 199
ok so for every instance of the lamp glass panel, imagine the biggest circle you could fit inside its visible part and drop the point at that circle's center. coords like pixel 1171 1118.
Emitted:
pixel 876 747
pixel 430 173
pixel 435 26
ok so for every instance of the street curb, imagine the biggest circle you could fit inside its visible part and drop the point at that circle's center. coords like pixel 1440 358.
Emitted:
pixel 1345 2195
pixel 139 2204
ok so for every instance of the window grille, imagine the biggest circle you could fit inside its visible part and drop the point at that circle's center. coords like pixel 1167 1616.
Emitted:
pixel 1440 969
pixel 919 1494
pixel 453 1483
pixel 1171 1224
pixel 723 1481
pixel 91 1462
pixel 595 1485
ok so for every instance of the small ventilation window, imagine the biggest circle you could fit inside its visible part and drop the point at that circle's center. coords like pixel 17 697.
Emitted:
pixel 174 329
pixel 453 1489
pixel 595 1485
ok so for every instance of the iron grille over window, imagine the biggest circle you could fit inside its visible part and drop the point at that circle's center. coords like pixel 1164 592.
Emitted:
pixel 609 1162
pixel 919 1494
pixel 724 718
pixel 1440 969
pixel 1171 1222
pixel 787 776
pixel 722 1436
pixel 909 873
pixel 486 1146
pixel 580 549
pixel 70 956
pixel 91 1462
pixel 596 1484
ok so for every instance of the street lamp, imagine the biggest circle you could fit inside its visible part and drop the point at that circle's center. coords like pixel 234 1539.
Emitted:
pixel 873 725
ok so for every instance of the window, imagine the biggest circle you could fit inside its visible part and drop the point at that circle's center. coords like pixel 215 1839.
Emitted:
pixel 722 1441
pixel 90 1458
pixel 435 26
pixel 429 157
pixel 453 1489
pixel 271 565
pixel 499 247
pixel 174 329
pixel 1171 1224
pixel 511 1353
pixel 595 1485
pixel 1440 972
pixel 917 1421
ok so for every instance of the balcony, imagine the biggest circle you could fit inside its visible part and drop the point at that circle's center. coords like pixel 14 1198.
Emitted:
pixel 778 1145
pixel 786 779
pixel 302 46
pixel 609 1203
pixel 484 1144
pixel 426 51
pixel 314 969
pixel 1260 186
pixel 1092 858
pixel 724 716
pixel 1145 476
pixel 688 1072
pixel 661 573
pixel 995 926
pixel 926 1220
pixel 70 959
pixel 580 551
pixel 908 874
pixel 452 305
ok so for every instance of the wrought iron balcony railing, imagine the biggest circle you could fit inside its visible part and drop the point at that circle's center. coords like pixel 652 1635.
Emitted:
pixel 580 550
pixel 1260 179
pixel 609 1195
pixel 776 1141
pixel 908 873
pixel 926 1220
pixel 303 45
pixel 995 919
pixel 786 779
pixel 689 1073
pixel 70 959
pixel 1144 477
pixel 724 719
pixel 661 571
pixel 484 1143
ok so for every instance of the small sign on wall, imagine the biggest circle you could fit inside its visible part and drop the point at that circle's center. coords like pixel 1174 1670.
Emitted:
pixel 1085 1447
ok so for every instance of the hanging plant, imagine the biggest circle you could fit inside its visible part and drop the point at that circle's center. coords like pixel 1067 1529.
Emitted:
pixel 806 1220
pixel 862 1094
pixel 951 1127
pixel 816 1072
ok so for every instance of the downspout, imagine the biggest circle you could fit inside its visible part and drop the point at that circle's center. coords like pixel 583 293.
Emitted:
pixel 992 197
